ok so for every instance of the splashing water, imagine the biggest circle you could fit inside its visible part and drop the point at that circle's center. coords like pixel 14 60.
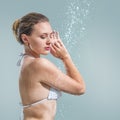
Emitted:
pixel 74 24
pixel 74 27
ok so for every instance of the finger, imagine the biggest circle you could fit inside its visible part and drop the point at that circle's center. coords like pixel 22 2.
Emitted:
pixel 56 48
pixel 57 35
pixel 60 43
pixel 57 44
pixel 54 34
pixel 52 46
pixel 52 50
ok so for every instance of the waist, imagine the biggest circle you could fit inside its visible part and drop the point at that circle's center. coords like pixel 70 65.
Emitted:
pixel 45 111
pixel 37 102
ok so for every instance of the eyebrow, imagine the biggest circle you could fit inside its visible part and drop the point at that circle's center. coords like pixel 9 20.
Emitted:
pixel 46 33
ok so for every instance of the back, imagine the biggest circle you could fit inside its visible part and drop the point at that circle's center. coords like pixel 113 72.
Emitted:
pixel 30 87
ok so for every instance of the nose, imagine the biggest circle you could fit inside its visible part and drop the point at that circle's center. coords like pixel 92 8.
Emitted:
pixel 48 40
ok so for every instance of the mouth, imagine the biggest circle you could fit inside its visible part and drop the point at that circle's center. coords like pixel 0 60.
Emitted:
pixel 47 48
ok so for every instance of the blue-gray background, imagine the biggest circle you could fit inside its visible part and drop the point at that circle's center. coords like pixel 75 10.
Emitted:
pixel 90 29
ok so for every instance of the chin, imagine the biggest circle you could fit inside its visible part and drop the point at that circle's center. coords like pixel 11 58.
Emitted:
pixel 46 53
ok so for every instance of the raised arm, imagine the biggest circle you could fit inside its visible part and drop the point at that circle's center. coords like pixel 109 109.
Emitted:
pixel 72 82
pixel 50 75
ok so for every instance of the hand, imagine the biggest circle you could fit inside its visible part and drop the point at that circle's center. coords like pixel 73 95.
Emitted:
pixel 57 47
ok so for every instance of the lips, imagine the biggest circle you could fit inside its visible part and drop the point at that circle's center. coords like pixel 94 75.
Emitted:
pixel 47 48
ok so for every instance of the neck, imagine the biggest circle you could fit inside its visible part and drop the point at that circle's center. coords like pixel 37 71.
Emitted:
pixel 31 53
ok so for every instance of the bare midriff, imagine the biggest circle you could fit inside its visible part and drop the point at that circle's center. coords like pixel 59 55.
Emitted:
pixel 42 111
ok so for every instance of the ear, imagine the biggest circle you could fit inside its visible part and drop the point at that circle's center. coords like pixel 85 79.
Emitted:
pixel 25 39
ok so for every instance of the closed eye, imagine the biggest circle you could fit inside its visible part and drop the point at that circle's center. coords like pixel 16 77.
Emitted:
pixel 42 36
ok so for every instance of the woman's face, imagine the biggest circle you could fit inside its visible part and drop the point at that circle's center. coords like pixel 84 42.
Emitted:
pixel 39 40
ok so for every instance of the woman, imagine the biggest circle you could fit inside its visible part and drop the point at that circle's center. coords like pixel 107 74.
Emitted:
pixel 40 81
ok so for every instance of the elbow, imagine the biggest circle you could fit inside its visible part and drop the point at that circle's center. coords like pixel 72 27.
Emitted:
pixel 80 90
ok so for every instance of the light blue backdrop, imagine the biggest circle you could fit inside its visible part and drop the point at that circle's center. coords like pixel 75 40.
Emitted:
pixel 90 29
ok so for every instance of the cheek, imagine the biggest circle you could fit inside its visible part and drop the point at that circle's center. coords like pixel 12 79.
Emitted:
pixel 38 46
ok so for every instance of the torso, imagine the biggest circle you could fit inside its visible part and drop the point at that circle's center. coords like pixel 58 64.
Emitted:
pixel 43 111
pixel 31 90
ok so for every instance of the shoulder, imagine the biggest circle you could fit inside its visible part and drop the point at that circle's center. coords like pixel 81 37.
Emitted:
pixel 42 64
pixel 45 70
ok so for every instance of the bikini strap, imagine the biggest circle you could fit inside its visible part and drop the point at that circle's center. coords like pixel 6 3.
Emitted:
pixel 33 104
pixel 20 59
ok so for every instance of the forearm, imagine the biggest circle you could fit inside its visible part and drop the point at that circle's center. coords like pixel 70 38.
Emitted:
pixel 71 69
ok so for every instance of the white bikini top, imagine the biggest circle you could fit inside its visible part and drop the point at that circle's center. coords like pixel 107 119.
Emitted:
pixel 53 93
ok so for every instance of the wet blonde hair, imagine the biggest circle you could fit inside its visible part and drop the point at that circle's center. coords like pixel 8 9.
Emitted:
pixel 25 24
